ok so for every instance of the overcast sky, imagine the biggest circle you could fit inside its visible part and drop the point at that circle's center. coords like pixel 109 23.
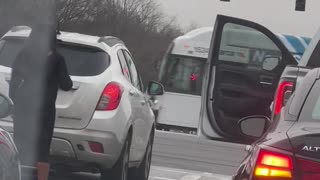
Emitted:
pixel 277 15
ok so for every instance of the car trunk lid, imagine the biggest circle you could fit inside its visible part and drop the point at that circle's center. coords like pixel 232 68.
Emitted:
pixel 305 138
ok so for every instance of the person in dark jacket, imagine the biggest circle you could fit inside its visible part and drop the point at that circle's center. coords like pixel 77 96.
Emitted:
pixel 37 74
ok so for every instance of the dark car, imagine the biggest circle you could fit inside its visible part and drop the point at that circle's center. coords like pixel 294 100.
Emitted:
pixel 288 147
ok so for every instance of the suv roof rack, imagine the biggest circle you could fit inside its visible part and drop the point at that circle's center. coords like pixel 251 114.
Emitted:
pixel 110 40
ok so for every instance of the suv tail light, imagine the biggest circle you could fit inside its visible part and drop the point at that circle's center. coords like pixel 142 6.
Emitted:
pixel 309 170
pixel 283 93
pixel 110 98
pixel 272 165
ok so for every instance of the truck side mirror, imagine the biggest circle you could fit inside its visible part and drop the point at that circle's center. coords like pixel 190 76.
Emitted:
pixel 253 127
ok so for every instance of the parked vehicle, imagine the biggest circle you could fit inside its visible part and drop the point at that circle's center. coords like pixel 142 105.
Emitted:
pixel 287 148
pixel 105 124
pixel 236 88
pixel 10 168
pixel 292 76
pixel 184 64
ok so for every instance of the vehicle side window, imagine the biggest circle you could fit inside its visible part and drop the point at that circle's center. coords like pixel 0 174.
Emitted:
pixel 133 70
pixel 314 59
pixel 141 84
pixel 311 109
pixel 124 66
pixel 243 46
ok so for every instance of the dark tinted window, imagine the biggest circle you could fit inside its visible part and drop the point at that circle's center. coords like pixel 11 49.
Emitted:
pixel 9 50
pixel 314 60
pixel 81 61
pixel 84 61
pixel 182 74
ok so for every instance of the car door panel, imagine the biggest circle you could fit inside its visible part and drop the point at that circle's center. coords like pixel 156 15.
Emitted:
pixel 141 124
pixel 241 87
pixel 236 85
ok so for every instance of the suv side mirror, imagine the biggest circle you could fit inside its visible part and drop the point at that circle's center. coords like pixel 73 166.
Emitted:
pixel 270 63
pixel 253 127
pixel 6 106
pixel 155 88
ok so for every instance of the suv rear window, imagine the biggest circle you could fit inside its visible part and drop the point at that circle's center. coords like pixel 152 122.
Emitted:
pixel 81 60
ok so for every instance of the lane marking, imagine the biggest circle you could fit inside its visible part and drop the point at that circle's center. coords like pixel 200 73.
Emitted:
pixel 191 177
pixel 189 173
pixel 162 178
pixel 174 170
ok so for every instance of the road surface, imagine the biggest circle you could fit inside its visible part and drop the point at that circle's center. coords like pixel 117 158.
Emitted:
pixel 179 156
pixel 157 173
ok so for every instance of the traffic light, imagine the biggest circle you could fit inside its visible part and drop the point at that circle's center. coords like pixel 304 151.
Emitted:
pixel 300 5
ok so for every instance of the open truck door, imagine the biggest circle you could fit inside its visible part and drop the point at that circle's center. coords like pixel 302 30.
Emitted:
pixel 245 63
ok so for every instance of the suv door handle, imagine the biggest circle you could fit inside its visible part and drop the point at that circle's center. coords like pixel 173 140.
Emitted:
pixel 266 80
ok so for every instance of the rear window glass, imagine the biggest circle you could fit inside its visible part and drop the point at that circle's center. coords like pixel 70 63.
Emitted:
pixel 80 60
pixel 311 108
pixel 84 61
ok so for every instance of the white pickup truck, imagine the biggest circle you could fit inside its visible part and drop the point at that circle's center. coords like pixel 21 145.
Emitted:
pixel 184 64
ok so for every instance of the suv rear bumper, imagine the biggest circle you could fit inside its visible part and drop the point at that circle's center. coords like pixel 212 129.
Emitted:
pixel 72 145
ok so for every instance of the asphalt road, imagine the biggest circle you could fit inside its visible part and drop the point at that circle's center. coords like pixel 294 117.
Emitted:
pixel 179 156
pixel 157 173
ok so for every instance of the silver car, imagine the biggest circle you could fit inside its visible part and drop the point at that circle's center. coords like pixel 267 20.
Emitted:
pixel 105 124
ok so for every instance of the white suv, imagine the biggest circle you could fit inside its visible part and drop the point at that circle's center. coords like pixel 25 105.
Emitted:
pixel 105 123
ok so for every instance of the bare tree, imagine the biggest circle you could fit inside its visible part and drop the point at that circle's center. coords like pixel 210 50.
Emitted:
pixel 141 24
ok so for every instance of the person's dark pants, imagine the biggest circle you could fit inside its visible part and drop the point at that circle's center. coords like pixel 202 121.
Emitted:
pixel 33 135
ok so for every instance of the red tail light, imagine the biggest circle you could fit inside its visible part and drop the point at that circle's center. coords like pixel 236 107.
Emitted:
pixel 110 98
pixel 284 88
pixel 272 165
pixel 309 170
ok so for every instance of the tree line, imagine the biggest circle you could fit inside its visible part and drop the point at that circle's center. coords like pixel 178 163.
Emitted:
pixel 141 24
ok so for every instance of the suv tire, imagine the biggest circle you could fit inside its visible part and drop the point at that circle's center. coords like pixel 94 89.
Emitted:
pixel 142 172
pixel 120 170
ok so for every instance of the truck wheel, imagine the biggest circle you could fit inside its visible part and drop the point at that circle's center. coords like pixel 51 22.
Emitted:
pixel 142 172
pixel 120 170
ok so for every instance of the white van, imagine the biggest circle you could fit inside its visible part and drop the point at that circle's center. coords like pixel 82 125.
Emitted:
pixel 184 64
